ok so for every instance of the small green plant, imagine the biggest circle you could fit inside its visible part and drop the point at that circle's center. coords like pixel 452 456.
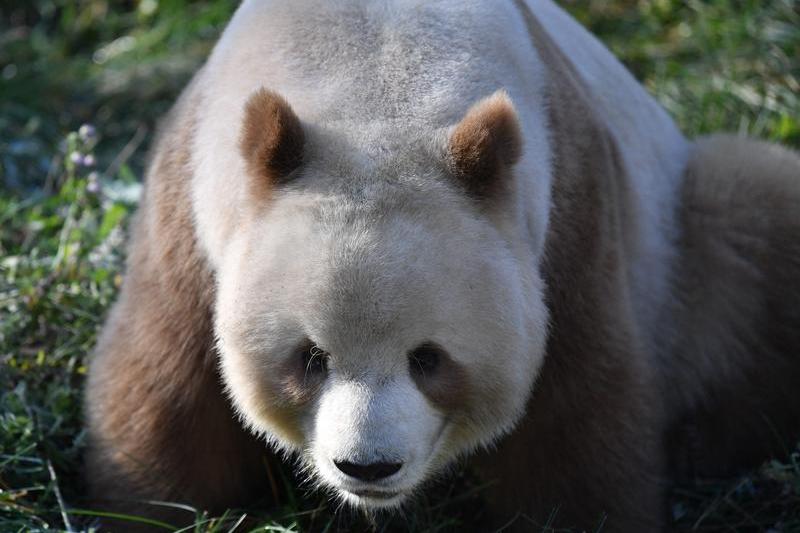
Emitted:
pixel 59 271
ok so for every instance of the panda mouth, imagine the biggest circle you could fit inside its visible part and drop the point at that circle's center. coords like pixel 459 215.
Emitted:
pixel 376 494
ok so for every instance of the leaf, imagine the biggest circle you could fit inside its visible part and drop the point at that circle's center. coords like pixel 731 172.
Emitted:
pixel 111 218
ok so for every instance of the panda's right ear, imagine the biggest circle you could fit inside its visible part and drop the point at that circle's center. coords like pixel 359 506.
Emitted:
pixel 271 141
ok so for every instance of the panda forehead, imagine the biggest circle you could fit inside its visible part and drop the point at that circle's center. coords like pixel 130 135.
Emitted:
pixel 341 207
pixel 370 163
pixel 380 232
pixel 370 251
pixel 364 265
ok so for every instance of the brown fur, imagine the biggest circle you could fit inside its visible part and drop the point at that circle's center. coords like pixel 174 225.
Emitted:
pixel 298 385
pixel 448 386
pixel 160 427
pixel 736 353
pixel 485 144
pixel 272 141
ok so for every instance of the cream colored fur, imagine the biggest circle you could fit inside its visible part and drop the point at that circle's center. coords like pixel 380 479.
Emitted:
pixel 402 245
pixel 367 106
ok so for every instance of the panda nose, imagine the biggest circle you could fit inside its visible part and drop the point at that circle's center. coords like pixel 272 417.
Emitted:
pixel 370 472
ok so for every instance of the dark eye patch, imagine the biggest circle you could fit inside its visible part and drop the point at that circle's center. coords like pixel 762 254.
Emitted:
pixel 314 360
pixel 303 372
pixel 425 359
pixel 444 381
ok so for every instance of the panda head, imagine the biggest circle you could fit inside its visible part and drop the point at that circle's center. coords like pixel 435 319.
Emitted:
pixel 376 313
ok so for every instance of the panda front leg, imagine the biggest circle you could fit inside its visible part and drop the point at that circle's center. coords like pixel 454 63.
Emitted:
pixel 159 424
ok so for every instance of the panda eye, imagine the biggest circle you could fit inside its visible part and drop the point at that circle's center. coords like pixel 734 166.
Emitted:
pixel 424 359
pixel 315 359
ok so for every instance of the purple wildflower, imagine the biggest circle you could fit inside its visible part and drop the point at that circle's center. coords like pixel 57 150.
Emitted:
pixel 93 183
pixel 87 132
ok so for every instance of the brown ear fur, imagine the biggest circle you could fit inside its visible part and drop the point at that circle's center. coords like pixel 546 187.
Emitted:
pixel 485 143
pixel 271 141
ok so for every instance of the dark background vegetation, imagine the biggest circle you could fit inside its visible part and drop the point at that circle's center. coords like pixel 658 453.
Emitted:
pixel 716 65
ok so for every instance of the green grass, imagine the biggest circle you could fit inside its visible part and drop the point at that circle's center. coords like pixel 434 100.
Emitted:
pixel 723 65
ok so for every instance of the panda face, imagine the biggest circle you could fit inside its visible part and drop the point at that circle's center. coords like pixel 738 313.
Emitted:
pixel 379 331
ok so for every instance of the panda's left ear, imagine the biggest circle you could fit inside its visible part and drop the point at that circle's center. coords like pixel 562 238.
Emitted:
pixel 483 146
pixel 271 141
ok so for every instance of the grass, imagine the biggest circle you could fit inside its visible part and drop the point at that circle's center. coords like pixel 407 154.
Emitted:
pixel 722 65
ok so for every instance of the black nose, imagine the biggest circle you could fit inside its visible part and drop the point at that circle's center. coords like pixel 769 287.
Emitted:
pixel 370 472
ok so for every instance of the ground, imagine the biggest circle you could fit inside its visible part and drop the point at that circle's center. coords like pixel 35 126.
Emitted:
pixel 67 192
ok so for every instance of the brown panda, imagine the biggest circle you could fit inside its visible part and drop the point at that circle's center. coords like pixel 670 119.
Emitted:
pixel 382 236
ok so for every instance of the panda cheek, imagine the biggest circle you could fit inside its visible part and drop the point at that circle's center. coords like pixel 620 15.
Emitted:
pixel 284 422
pixel 284 399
